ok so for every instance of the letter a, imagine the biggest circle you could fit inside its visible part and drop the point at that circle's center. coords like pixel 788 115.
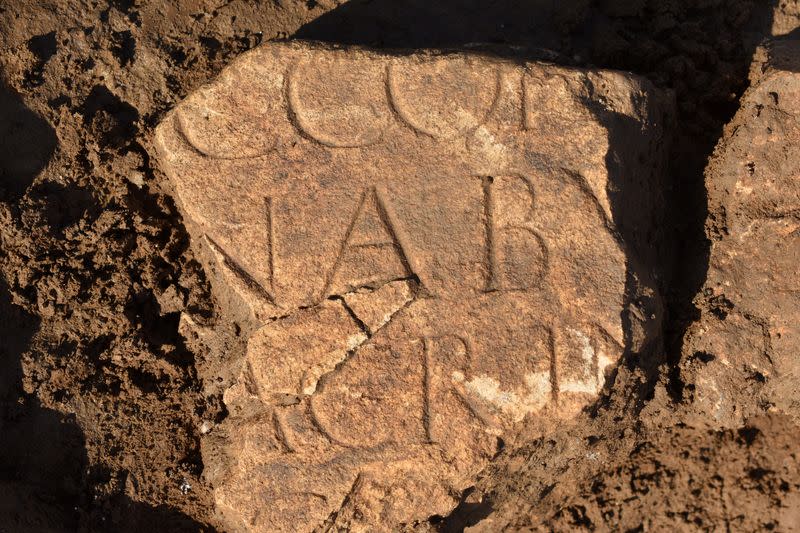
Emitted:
pixel 374 250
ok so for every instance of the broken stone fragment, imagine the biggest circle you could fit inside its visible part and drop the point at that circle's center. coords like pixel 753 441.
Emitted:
pixel 423 252
pixel 746 343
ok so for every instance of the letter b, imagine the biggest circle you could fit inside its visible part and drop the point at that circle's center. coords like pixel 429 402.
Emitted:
pixel 517 255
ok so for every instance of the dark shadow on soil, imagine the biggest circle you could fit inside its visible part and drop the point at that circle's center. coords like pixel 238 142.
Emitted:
pixel 675 55
pixel 467 514
pixel 43 462
pixel 446 23
pixel 43 459
pixel 128 516
pixel 786 61
pixel 26 144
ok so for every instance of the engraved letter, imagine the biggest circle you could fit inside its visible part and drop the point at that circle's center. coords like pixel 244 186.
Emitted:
pixel 516 254
pixel 443 357
pixel 374 251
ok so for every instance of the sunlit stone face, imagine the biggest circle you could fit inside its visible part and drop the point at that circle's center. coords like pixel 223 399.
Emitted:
pixel 428 248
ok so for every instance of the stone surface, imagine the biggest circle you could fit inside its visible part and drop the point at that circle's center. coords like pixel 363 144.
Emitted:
pixel 423 252
pixel 745 346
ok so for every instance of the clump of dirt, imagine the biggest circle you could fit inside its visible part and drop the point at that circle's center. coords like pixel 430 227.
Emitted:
pixel 100 406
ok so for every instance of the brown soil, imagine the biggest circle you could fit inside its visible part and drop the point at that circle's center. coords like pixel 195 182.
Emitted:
pixel 100 404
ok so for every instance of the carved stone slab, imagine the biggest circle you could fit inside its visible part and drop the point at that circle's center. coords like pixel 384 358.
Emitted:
pixel 427 252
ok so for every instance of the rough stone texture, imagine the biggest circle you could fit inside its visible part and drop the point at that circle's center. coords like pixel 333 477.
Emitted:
pixel 422 252
pixel 745 346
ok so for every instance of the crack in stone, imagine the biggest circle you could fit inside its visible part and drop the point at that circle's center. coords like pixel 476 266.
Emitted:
pixel 413 281
pixel 323 379
pixel 360 323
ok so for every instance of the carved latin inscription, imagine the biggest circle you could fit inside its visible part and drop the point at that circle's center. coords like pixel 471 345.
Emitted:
pixel 423 249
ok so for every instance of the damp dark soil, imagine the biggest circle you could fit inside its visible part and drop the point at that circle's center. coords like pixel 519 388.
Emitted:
pixel 100 403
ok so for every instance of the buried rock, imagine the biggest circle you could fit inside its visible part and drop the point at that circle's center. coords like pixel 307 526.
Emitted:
pixel 740 358
pixel 422 252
